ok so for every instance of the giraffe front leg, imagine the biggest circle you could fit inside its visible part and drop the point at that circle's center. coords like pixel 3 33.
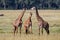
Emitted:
pixel 39 24
pixel 14 30
pixel 40 28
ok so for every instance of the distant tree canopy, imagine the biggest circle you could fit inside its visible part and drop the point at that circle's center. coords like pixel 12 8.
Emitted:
pixel 19 4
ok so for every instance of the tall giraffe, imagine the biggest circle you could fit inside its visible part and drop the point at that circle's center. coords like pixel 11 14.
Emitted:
pixel 42 23
pixel 18 22
pixel 28 24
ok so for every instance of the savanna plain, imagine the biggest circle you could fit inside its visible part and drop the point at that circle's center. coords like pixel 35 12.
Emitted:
pixel 51 16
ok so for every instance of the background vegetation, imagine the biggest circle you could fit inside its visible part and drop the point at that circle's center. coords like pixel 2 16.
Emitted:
pixel 18 4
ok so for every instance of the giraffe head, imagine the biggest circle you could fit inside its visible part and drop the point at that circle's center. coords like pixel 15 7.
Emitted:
pixel 24 9
pixel 33 8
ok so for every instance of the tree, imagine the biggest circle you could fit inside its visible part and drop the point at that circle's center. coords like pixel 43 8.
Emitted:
pixel 4 4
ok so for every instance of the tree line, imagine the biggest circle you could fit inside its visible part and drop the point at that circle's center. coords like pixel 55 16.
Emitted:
pixel 19 4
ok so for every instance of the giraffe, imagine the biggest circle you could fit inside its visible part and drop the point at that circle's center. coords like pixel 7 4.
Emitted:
pixel 42 23
pixel 18 22
pixel 28 24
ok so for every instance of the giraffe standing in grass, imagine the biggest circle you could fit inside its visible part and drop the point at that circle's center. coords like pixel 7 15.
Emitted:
pixel 41 23
pixel 18 22
pixel 28 24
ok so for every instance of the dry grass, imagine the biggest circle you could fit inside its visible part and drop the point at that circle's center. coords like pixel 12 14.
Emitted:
pixel 6 28
pixel 8 36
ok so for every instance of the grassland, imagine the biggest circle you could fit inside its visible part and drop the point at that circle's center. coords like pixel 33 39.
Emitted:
pixel 6 28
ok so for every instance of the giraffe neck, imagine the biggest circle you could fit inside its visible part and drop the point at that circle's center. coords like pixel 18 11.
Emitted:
pixel 39 18
pixel 21 15
pixel 37 15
